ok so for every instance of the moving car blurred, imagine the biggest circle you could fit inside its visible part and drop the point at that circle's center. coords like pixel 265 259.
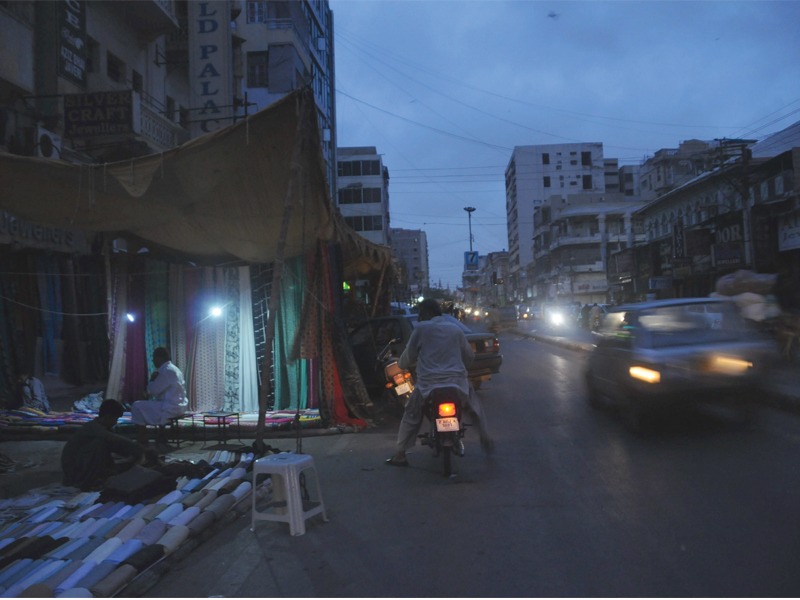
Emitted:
pixel 669 353
pixel 556 315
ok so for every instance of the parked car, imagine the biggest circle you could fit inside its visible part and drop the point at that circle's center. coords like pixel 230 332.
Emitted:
pixel 401 308
pixel 670 353
pixel 370 337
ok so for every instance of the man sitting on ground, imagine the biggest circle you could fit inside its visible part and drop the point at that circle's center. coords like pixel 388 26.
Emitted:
pixel 87 457
pixel 169 396
pixel 32 394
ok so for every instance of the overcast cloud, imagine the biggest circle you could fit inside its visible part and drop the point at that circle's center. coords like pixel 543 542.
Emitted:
pixel 636 76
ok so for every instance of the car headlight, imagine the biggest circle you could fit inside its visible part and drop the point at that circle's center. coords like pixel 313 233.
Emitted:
pixel 525 316
pixel 643 374
pixel 557 318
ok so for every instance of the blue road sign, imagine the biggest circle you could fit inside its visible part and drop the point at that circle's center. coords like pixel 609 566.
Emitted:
pixel 470 261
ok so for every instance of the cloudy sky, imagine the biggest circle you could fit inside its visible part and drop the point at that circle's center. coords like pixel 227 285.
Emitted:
pixel 445 90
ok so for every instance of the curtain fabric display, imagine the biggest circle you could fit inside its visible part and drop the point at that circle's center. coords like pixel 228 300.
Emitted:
pixel 156 313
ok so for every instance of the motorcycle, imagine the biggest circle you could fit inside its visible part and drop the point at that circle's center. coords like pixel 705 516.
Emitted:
pixel 445 413
pixel 399 381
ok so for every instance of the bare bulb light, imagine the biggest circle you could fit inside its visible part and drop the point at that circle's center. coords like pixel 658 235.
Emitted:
pixel 131 318
pixel 216 311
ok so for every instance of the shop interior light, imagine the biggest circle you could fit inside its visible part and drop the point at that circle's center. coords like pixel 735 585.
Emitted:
pixel 216 311
pixel 131 318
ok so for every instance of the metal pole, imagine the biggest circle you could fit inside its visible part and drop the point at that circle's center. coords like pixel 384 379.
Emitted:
pixel 470 210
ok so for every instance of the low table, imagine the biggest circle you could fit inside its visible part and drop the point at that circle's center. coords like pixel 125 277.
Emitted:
pixel 222 425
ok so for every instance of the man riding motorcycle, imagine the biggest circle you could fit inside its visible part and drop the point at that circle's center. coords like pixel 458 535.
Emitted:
pixel 442 355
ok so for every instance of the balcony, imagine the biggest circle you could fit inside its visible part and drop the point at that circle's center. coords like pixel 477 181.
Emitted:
pixel 292 31
pixel 150 18
pixel 565 240
pixel 177 47
pixel 159 132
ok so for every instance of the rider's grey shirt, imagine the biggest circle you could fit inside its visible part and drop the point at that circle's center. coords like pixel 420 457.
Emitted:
pixel 442 354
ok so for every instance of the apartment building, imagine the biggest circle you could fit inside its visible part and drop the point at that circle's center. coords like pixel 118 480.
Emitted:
pixel 410 249
pixel 363 192
pixel 286 45
pixel 629 180
pixel 535 173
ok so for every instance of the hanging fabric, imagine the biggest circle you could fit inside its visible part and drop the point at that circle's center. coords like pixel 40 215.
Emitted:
pixel 177 318
pixel 261 287
pixel 192 283
pixel 118 336
pixel 291 376
pixel 156 296
pixel 51 325
pixel 74 358
pixel 137 362
pixel 248 368
pixel 232 338
pixel 91 289
pixel 210 353
pixel 8 366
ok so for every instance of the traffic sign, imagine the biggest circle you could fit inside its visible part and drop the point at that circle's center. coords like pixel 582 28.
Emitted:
pixel 470 261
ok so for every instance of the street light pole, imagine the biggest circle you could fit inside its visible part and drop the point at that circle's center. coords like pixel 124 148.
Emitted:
pixel 470 210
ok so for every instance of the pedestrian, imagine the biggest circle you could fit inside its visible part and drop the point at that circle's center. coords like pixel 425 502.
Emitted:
pixel 31 393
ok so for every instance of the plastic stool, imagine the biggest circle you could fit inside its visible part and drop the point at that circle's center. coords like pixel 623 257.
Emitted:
pixel 285 471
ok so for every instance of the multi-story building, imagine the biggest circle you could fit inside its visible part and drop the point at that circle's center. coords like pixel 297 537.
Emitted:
pixel 495 284
pixel 363 192
pixel 535 173
pixel 410 249
pixel 105 81
pixel 285 45
pixel 629 180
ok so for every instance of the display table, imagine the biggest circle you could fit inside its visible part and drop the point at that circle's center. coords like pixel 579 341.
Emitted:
pixel 220 419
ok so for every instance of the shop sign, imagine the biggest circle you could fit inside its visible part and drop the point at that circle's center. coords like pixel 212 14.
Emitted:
pixel 729 228
pixel 678 240
pixel 14 230
pixel 789 231
pixel 210 73
pixel 660 283
pixel 727 254
pixel 698 242
pixel 72 50
pixel 665 254
pixel 100 113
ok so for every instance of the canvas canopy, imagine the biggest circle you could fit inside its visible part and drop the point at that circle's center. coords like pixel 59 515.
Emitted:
pixel 216 198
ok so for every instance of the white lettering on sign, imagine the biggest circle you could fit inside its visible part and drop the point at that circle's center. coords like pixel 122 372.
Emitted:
pixel 789 231
pixel 210 51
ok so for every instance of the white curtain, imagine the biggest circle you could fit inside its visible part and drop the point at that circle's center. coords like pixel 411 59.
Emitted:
pixel 248 370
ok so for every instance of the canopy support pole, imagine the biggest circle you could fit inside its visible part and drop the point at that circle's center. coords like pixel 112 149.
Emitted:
pixel 295 172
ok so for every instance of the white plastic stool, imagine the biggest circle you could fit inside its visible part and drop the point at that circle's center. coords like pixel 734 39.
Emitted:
pixel 285 471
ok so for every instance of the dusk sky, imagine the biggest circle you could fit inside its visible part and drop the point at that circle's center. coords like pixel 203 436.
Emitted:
pixel 445 90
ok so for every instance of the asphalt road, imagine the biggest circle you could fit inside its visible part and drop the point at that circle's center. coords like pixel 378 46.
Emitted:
pixel 570 504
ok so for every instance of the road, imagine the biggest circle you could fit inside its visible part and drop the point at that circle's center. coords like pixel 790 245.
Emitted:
pixel 570 504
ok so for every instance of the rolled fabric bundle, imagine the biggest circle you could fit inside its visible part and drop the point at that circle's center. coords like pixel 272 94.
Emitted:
pixel 83 551
pixel 145 557
pixel 151 532
pixel 104 551
pixel 230 486
pixel 215 457
pixel 191 485
pixel 201 522
pixel 111 584
pixel 5 542
pixel 112 533
pixel 139 514
pixel 133 527
pixel 207 499
pixel 66 549
pixel 46 545
pixel 89 531
pixel 224 457
pixel 35 531
pixel 242 490
pixel 59 515
pixel 221 505
pixel 218 483
pixel 125 551
pixel 77 500
pixel 51 528
pixel 226 473
pixel 93 510
pixel 75 577
pixel 122 513
pixel 100 572
pixel 12 548
pixel 192 499
pixel 171 498
pixel 37 590
pixel 40 574
pixel 68 528
pixel 69 568
pixel 10 529
pixel 23 573
pixel 19 551
pixel 173 539
pixel 182 481
pixel 210 475
pixel 84 526
pixel 75 593
pixel 184 517
pixel 154 511
pixel 111 511
pixel 238 473
pixel 42 515
pixel 171 511
pixel 13 569
pixel 102 531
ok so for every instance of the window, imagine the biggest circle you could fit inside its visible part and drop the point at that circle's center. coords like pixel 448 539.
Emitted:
pixel 92 56
pixel 356 223
pixel 573 162
pixel 573 183
pixel 628 177
pixel 629 192
pixel 587 182
pixel 373 223
pixel 136 81
pixel 356 166
pixel 546 182
pixel 257 68
pixel 345 169
pixel 586 159
pixel 115 68
pixel 558 167
pixel 573 154
pixel 257 12
pixel 545 158
pixel 372 195
pixel 170 112
pixel 184 117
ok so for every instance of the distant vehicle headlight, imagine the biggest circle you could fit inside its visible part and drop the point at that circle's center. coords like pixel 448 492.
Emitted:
pixel 525 316
pixel 643 374
pixel 557 318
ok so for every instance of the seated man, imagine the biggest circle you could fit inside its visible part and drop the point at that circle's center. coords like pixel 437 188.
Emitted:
pixel 32 394
pixel 86 459
pixel 169 396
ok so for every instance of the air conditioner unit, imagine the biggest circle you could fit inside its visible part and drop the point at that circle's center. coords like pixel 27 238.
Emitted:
pixel 48 144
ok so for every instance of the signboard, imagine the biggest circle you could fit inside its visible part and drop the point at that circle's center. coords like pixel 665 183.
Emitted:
pixel 727 254
pixel 210 73
pixel 660 283
pixel 678 240
pixel 471 261
pixel 14 230
pixel 698 242
pixel 72 50
pixel 100 113
pixel 789 231
pixel 665 254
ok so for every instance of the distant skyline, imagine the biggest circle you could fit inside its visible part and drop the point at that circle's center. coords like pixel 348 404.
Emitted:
pixel 445 90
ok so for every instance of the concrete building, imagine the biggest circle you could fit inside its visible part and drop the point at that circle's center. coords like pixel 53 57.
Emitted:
pixel 363 192
pixel 285 45
pixel 494 283
pixel 410 249
pixel 535 173
pixel 629 180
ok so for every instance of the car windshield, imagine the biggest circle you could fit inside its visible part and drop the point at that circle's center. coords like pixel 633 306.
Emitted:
pixel 686 324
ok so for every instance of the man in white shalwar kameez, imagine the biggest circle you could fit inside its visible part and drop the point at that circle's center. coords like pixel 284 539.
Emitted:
pixel 168 391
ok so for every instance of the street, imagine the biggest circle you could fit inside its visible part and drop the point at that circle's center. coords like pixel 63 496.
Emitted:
pixel 570 504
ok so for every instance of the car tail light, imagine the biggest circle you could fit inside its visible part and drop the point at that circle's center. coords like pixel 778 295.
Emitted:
pixel 447 409
pixel 496 345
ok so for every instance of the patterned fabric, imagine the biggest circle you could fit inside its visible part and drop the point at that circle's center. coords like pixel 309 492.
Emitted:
pixel 177 318
pixel 261 291
pixel 192 283
pixel 210 352
pixel 118 334
pixel 136 361
pixel 156 298
pixel 232 338
pixel 291 384
pixel 50 302
pixel 248 368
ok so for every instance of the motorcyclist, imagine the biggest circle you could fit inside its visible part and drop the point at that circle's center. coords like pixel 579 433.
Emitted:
pixel 585 315
pixel 595 314
pixel 442 355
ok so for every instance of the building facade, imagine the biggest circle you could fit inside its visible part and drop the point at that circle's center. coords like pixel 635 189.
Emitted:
pixel 286 45
pixel 363 192
pixel 410 250
pixel 535 173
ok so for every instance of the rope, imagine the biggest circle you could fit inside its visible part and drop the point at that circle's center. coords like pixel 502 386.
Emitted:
pixel 102 314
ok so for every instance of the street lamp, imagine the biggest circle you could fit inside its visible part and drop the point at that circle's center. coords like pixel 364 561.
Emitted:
pixel 470 210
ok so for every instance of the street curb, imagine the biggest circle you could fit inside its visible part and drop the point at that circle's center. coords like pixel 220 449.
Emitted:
pixel 561 343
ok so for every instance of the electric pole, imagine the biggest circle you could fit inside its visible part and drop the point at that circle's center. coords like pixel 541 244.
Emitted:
pixel 470 210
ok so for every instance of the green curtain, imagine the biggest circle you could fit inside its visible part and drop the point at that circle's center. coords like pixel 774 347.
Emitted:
pixel 156 300
pixel 291 378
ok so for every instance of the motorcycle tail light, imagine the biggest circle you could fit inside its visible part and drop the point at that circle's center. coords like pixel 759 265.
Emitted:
pixel 388 385
pixel 407 375
pixel 398 379
pixel 447 409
